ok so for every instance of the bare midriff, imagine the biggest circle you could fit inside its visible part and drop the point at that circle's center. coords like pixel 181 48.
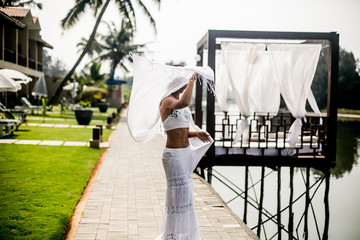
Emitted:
pixel 177 138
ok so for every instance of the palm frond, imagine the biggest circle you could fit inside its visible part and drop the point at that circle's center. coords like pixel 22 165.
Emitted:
pixel 30 3
pixel 148 14
pixel 127 15
pixel 124 67
pixel 74 13
pixel 97 6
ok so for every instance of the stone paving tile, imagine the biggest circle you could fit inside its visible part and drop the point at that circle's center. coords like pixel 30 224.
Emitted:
pixel 128 197
pixel 61 125
pixel 77 126
pixel 51 143
pixel 104 144
pixel 8 140
pixel 32 124
pixel 46 125
pixel 31 142
pixel 71 143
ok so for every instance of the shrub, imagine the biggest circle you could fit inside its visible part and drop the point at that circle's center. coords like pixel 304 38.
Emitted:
pixel 92 95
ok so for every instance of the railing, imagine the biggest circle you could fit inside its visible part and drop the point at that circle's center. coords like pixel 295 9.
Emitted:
pixel 22 60
pixel 39 66
pixel 9 55
pixel 32 63
pixel 267 131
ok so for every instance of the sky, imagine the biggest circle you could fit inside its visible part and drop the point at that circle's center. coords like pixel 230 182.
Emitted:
pixel 182 23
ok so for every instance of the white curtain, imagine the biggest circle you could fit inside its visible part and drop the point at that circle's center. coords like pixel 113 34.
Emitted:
pixel 294 67
pixel 264 94
pixel 221 82
pixel 251 76
pixel 239 59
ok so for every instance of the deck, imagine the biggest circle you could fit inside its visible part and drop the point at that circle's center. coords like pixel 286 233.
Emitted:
pixel 125 198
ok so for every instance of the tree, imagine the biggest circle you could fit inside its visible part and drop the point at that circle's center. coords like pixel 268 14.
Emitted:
pixel 349 81
pixel 95 47
pixel 126 8
pixel 94 77
pixel 53 68
pixel 19 3
pixel 348 85
pixel 116 45
pixel 320 83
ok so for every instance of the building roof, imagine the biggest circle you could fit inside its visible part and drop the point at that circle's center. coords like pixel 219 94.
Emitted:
pixel 15 11
pixel 11 19
pixel 22 17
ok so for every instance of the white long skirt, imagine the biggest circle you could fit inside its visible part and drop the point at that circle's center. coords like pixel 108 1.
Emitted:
pixel 180 221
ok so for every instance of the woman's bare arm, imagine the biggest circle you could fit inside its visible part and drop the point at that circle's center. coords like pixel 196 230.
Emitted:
pixel 203 136
pixel 184 101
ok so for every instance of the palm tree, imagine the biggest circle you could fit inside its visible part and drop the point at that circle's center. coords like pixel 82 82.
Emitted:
pixel 116 46
pixel 126 8
pixel 19 3
pixel 94 76
pixel 95 47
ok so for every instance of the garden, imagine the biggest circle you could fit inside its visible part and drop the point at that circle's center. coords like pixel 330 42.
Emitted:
pixel 41 184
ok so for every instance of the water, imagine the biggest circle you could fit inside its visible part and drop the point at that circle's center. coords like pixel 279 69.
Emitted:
pixel 344 198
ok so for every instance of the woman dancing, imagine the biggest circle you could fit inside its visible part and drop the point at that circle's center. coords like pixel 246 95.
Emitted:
pixel 185 142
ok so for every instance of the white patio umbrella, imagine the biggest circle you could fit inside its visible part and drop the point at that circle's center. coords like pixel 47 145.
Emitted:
pixel 40 89
pixel 8 85
pixel 19 77
pixel 73 87
pixel 16 75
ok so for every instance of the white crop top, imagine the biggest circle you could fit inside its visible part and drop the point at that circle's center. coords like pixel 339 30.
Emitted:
pixel 179 118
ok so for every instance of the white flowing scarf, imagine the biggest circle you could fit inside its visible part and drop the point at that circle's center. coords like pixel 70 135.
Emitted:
pixel 151 84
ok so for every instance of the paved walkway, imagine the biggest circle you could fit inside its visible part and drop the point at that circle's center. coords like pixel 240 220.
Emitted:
pixel 125 199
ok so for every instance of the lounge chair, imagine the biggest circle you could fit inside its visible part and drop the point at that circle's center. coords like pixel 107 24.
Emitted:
pixel 8 126
pixel 29 106
pixel 21 113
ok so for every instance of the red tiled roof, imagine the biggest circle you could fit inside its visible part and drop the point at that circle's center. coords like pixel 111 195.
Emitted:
pixel 35 19
pixel 15 11
pixel 17 22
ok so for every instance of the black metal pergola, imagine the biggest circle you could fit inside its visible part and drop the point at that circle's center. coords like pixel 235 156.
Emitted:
pixel 322 159
pixel 210 43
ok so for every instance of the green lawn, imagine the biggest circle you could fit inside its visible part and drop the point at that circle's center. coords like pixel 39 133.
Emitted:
pixel 348 111
pixel 53 133
pixel 40 187
pixel 66 121
pixel 67 114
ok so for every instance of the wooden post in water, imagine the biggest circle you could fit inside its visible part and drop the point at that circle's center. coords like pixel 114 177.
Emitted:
pixel 326 202
pixel 291 215
pixel 307 202
pixel 246 193
pixel 279 203
pixel 261 201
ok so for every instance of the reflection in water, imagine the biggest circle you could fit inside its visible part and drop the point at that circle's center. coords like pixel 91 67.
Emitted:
pixel 346 148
